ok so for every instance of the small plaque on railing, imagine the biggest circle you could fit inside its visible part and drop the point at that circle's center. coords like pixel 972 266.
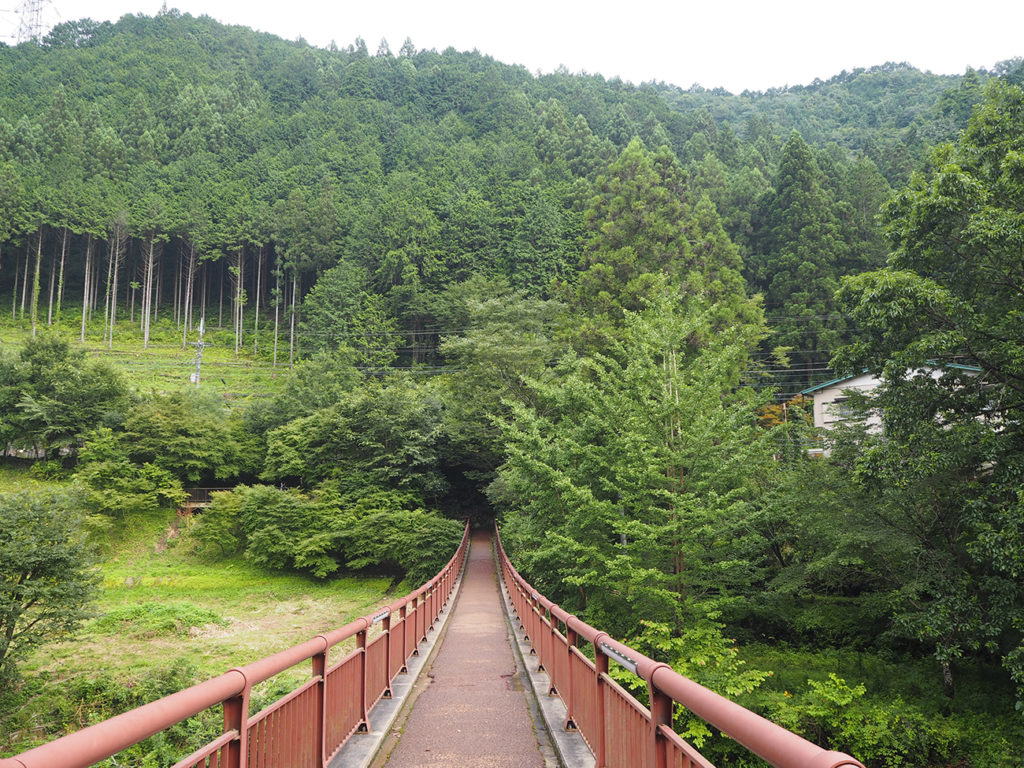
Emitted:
pixel 536 596
pixel 381 616
pixel 625 661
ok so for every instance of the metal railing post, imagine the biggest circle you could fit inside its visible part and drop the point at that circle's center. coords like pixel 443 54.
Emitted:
pixel 320 724
pixel 601 670
pixel 539 613
pixel 552 640
pixel 386 627
pixel 433 604
pixel 424 608
pixel 364 715
pixel 236 718
pixel 571 639
pixel 415 631
pixel 521 607
pixel 533 603
pixel 403 614
pixel 661 714
pixel 428 619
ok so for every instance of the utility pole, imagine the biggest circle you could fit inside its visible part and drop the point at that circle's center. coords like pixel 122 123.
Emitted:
pixel 199 345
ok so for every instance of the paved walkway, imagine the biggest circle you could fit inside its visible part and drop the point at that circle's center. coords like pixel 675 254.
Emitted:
pixel 474 713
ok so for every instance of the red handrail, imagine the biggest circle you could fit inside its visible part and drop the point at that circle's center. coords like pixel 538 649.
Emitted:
pixel 317 723
pixel 609 718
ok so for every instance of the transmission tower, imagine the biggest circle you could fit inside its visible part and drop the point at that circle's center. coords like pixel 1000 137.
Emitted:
pixel 30 14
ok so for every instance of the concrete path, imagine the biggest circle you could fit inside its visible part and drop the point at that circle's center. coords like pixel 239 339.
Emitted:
pixel 474 712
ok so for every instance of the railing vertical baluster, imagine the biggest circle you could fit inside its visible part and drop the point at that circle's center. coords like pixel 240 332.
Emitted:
pixel 533 628
pixel 386 627
pixel 552 653
pixel 364 715
pixel 428 622
pixel 661 714
pixel 542 658
pixel 236 716
pixel 571 639
pixel 403 613
pixel 425 604
pixel 320 708
pixel 418 625
pixel 522 605
pixel 600 670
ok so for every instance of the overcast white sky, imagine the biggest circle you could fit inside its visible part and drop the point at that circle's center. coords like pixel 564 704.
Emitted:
pixel 736 44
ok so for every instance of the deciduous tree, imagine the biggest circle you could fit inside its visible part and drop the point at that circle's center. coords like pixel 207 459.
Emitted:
pixel 46 576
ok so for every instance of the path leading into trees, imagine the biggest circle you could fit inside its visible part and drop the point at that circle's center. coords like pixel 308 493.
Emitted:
pixel 474 712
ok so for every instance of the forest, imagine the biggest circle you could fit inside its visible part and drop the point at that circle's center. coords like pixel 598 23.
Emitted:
pixel 582 308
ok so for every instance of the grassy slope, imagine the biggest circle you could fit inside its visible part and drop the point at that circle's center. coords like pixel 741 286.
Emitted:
pixel 163 614
pixel 176 619
pixel 165 366
pixel 254 612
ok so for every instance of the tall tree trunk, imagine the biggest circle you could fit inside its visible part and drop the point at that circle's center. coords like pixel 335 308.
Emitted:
pixel 87 289
pixel 35 279
pixel 220 308
pixel 53 285
pixel 206 280
pixel 178 290
pixel 60 277
pixel 106 294
pixel 14 289
pixel 256 321
pixel 291 336
pixel 113 299
pixel 159 291
pixel 97 283
pixel 238 301
pixel 277 307
pixel 186 310
pixel 148 280
pixel 119 238
pixel 24 277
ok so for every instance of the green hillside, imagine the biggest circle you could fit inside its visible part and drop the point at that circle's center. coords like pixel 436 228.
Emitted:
pixel 434 287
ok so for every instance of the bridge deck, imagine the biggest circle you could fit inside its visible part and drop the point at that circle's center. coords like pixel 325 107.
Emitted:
pixel 474 712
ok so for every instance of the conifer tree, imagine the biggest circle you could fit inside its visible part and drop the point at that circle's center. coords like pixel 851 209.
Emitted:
pixel 797 248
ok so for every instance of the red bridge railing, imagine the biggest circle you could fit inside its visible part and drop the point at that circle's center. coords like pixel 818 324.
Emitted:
pixel 619 730
pixel 304 728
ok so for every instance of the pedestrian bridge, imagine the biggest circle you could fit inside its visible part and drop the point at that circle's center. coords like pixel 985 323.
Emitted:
pixel 471 709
